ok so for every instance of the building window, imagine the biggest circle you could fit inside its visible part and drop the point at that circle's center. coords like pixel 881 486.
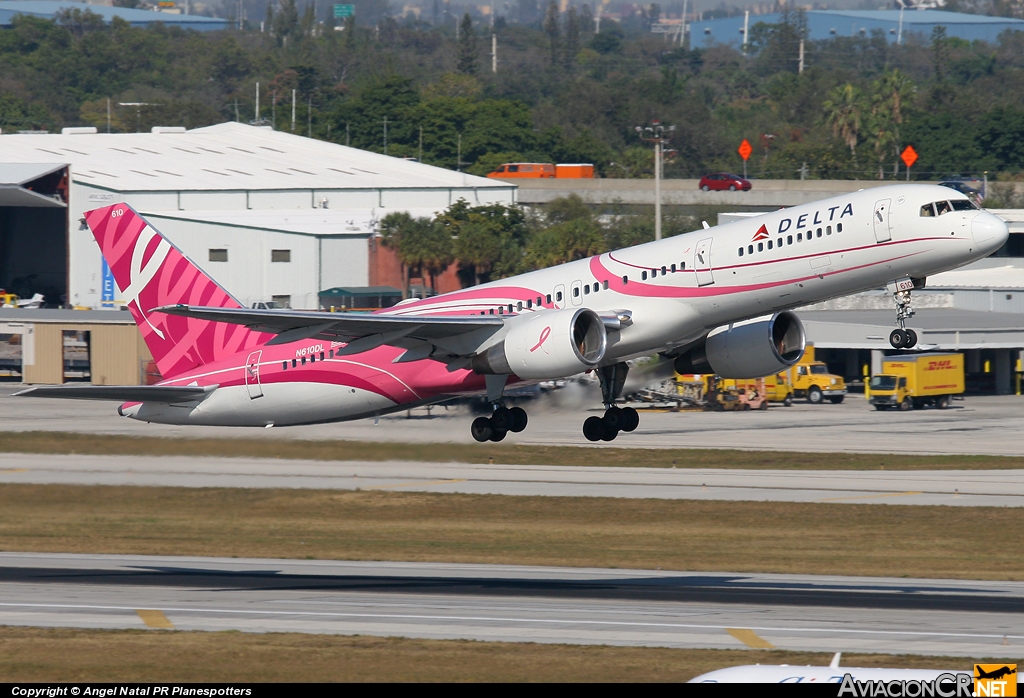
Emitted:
pixel 282 301
pixel 218 255
pixel 280 255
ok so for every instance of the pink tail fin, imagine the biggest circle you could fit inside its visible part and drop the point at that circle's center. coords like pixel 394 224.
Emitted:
pixel 152 272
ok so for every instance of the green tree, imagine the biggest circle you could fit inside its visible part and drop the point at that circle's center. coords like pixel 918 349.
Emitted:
pixel 890 95
pixel 469 58
pixel 844 115
pixel 419 243
pixel 552 29
pixel 572 37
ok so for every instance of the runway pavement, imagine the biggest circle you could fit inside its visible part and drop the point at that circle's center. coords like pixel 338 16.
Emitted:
pixel 976 425
pixel 532 604
pixel 1003 488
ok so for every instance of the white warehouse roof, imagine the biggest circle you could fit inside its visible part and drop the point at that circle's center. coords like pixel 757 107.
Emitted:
pixel 229 157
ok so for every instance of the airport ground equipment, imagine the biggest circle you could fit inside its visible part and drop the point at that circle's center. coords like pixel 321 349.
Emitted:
pixel 812 380
pixel 913 381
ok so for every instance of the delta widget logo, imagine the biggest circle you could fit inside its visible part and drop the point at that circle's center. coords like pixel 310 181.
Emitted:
pixel 761 234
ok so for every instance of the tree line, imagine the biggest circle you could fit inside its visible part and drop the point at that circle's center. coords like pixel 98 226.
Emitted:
pixel 562 91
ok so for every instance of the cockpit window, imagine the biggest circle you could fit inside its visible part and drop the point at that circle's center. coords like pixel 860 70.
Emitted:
pixel 928 211
pixel 942 207
pixel 963 205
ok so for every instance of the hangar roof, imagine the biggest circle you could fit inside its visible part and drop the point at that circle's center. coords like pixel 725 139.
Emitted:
pixel 227 157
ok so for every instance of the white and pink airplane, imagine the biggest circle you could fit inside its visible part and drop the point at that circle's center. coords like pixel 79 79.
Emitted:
pixel 714 300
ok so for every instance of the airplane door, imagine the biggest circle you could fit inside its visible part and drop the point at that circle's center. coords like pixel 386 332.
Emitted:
pixel 252 375
pixel 576 293
pixel 880 219
pixel 702 263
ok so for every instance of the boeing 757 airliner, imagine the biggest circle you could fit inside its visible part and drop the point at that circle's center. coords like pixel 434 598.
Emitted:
pixel 714 300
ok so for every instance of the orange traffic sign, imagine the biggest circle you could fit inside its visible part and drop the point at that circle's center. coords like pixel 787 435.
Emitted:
pixel 745 149
pixel 909 156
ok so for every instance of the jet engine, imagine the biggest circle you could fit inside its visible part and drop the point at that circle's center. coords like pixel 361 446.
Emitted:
pixel 546 345
pixel 750 349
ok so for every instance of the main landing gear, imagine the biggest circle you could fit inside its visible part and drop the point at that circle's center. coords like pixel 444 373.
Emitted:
pixel 615 418
pixel 503 419
pixel 903 338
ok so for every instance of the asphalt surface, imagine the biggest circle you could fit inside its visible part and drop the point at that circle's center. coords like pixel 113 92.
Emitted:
pixel 1004 488
pixel 531 604
pixel 975 425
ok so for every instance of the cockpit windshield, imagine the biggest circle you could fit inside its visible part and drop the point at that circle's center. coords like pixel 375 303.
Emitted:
pixel 941 207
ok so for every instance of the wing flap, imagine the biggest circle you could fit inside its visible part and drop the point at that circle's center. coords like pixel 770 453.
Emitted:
pixel 121 393
pixel 344 327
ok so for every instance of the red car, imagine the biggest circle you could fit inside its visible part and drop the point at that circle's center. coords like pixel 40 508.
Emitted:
pixel 724 181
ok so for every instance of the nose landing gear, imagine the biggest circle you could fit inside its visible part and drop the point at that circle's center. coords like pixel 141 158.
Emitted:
pixel 615 418
pixel 903 338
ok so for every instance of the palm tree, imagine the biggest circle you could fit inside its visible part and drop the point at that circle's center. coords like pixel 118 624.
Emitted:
pixel 844 114
pixel 892 92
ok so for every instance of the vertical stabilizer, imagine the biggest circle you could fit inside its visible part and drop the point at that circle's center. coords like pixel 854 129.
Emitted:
pixel 152 272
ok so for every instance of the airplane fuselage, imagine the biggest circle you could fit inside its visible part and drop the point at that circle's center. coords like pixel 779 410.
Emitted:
pixel 676 290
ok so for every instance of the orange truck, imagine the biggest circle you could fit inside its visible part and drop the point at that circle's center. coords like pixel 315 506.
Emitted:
pixel 542 170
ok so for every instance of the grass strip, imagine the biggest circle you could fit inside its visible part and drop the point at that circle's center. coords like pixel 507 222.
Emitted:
pixel 507 454
pixel 73 655
pixel 782 537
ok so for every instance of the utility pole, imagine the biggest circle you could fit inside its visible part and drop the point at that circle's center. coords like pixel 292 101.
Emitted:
pixel 800 70
pixel 309 117
pixel 273 110
pixel 494 53
pixel 293 111
pixel 682 30
pixel 746 29
pixel 108 115
pixel 348 141
pixel 385 135
pixel 420 156
pixel 899 32
pixel 257 102
pixel 659 135
pixel 458 156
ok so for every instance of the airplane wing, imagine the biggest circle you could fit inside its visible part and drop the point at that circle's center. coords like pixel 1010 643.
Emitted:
pixel 122 393
pixel 295 325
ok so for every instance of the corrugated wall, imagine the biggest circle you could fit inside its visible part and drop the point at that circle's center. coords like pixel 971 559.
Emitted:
pixel 116 354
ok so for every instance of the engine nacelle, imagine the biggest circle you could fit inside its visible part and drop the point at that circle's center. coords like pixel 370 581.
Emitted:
pixel 751 349
pixel 547 345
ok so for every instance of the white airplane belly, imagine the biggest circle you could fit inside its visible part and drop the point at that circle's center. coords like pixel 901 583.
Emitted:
pixel 282 404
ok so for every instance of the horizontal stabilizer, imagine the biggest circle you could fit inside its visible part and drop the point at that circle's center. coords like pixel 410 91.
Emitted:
pixel 344 327
pixel 121 393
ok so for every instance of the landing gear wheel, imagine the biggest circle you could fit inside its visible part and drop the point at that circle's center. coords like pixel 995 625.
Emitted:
pixel 814 395
pixel 897 338
pixel 498 434
pixel 519 419
pixel 613 418
pixel 609 434
pixel 481 429
pixel 631 419
pixel 911 339
pixel 593 428
pixel 501 419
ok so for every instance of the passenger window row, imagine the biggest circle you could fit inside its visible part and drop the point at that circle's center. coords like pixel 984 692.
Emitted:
pixel 789 240
pixel 940 207
pixel 312 360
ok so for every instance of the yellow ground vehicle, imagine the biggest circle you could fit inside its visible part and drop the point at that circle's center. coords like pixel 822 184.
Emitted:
pixel 812 380
pixel 776 387
pixel 914 381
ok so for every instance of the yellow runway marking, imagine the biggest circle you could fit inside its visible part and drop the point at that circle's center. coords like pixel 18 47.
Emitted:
pixel 154 619
pixel 413 484
pixel 871 496
pixel 750 638
pixel 14 470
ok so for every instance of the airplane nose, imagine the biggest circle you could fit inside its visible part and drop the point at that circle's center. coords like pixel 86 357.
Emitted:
pixel 989 230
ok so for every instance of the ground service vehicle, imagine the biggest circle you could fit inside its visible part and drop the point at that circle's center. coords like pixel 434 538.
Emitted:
pixel 812 380
pixel 914 381
pixel 775 387
pixel 539 170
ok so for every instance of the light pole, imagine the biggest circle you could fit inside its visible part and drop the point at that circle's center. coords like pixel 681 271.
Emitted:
pixel 659 135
